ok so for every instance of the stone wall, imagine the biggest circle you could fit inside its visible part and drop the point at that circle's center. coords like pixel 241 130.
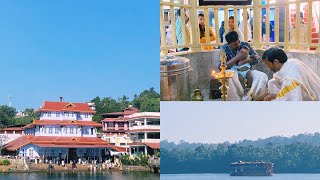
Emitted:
pixel 136 168
pixel 203 63
pixel 16 165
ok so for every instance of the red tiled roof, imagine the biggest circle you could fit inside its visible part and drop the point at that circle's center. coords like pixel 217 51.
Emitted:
pixel 63 123
pixel 118 119
pixel 12 129
pixel 66 106
pixel 127 111
pixel 51 141
pixel 153 145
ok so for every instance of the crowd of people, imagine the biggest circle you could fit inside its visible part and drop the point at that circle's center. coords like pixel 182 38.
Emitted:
pixel 292 79
pixel 231 27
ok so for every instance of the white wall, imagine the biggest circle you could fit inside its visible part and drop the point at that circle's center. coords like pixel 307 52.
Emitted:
pixel 64 131
pixel 27 149
pixel 65 116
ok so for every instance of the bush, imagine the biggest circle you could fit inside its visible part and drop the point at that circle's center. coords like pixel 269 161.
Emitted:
pixel 5 162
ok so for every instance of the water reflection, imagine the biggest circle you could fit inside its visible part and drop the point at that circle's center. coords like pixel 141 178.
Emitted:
pixel 115 175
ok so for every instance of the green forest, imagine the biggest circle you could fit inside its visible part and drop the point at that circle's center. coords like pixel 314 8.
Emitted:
pixel 296 154
pixel 146 101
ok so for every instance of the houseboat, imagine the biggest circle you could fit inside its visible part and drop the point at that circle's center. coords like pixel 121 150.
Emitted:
pixel 251 168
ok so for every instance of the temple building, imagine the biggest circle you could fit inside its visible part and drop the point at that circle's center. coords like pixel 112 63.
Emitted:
pixel 138 132
pixel 65 131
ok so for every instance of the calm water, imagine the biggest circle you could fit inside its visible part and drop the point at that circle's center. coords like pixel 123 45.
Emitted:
pixel 228 177
pixel 80 175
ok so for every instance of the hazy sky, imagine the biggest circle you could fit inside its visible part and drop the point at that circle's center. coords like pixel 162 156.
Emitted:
pixel 77 49
pixel 215 122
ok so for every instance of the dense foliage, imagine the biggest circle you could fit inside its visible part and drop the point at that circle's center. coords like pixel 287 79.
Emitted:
pixel 141 160
pixel 8 116
pixel 297 154
pixel 5 162
pixel 148 100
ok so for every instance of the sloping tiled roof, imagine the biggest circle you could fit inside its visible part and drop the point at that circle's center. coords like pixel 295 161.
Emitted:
pixel 51 141
pixel 151 145
pixel 63 123
pixel 66 106
pixel 118 119
pixel 12 129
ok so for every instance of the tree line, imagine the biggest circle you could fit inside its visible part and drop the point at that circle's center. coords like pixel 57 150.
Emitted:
pixel 297 154
pixel 146 101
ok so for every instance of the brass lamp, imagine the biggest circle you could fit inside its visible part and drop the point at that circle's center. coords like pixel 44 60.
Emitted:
pixel 223 75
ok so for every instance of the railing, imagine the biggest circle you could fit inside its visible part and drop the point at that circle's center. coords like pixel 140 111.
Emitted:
pixel 150 140
pixel 194 45
pixel 145 127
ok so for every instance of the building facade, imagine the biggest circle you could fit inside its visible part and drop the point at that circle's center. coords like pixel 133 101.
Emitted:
pixel 64 131
pixel 144 131
pixel 116 125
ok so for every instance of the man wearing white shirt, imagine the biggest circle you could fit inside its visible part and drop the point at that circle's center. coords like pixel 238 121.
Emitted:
pixel 246 23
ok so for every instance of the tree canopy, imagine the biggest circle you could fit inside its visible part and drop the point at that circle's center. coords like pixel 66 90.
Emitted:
pixel 148 100
pixel 296 154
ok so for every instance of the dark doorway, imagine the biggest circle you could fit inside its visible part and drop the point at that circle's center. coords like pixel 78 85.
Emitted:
pixel 72 154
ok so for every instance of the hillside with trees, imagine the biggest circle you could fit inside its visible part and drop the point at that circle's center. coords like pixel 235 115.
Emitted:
pixel 296 154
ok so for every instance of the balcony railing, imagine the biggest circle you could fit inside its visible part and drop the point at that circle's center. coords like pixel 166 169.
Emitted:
pixel 194 45
pixel 150 140
pixel 145 127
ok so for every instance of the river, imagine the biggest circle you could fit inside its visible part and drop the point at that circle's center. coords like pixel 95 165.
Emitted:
pixel 228 177
pixel 115 175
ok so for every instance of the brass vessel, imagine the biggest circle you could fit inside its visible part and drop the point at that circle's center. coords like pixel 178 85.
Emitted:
pixel 197 96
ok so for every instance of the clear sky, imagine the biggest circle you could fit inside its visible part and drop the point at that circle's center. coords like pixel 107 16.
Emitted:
pixel 77 49
pixel 216 122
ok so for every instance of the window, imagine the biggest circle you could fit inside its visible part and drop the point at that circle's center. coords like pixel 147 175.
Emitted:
pixel 49 114
pixel 50 130
pixel 91 131
pixel 57 114
pixel 86 115
pixel 71 130
pixel 122 144
pixel 67 114
pixel 44 130
pixel 31 152
pixel 57 130
pixel 52 152
pixel 120 124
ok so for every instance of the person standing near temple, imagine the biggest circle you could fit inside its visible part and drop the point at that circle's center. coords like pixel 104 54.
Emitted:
pixel 246 23
pixel 179 30
pixel 302 33
pixel 203 33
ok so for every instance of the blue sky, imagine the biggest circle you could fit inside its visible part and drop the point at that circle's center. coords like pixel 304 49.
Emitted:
pixel 216 122
pixel 77 49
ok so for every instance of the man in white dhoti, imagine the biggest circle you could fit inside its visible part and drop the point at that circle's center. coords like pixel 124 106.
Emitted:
pixel 292 81
pixel 237 57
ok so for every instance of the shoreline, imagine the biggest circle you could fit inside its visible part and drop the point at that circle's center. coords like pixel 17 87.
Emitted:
pixel 125 168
